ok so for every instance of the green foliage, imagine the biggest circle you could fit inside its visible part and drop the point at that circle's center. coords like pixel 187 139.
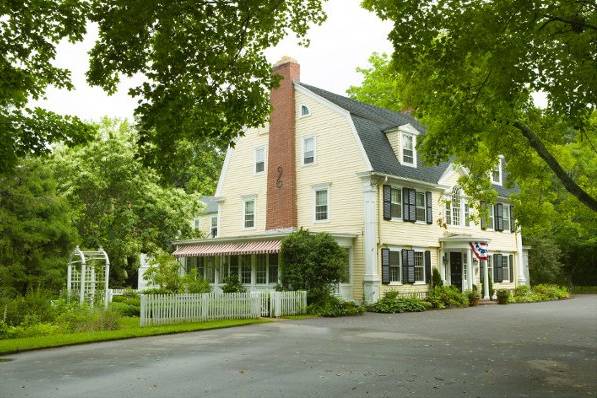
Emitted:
pixel 446 296
pixel 473 297
pixel 436 278
pixel 584 290
pixel 312 262
pixel 126 305
pixel 331 306
pixel 191 283
pixel 232 285
pixel 391 303
pixel 34 307
pixel 119 203
pixel 542 292
pixel 164 272
pixel 503 296
pixel 37 234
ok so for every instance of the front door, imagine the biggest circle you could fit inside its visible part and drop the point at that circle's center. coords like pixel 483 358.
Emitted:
pixel 456 269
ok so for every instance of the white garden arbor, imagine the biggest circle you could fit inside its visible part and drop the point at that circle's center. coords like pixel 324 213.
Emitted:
pixel 88 275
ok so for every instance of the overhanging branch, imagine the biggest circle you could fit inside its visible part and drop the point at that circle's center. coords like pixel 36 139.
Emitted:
pixel 570 185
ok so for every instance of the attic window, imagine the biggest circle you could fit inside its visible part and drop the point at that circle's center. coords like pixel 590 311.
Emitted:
pixel 496 174
pixel 305 110
pixel 408 143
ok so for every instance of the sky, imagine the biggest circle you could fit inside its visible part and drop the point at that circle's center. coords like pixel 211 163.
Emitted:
pixel 344 42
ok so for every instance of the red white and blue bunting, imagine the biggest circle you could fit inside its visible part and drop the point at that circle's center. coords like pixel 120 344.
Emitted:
pixel 480 250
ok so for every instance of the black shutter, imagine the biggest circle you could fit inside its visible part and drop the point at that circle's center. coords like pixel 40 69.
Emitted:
pixel 511 267
pixel 404 266
pixel 385 266
pixel 483 208
pixel 411 266
pixel 387 202
pixel 427 266
pixel 499 217
pixel 512 226
pixel 495 268
pixel 412 206
pixel 405 204
pixel 429 202
pixel 499 267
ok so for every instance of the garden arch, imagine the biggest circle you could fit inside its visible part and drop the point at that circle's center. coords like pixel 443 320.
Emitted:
pixel 88 274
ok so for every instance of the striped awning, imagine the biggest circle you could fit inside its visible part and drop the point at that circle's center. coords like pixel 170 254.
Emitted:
pixel 228 248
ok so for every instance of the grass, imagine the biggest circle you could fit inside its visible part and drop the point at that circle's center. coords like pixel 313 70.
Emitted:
pixel 129 329
pixel 583 290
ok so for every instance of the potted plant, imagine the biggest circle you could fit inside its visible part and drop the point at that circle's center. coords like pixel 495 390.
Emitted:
pixel 473 297
pixel 503 296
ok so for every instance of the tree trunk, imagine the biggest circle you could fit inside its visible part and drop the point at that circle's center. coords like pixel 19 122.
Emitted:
pixel 570 185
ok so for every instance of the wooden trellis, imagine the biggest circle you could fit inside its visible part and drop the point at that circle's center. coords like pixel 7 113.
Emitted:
pixel 88 274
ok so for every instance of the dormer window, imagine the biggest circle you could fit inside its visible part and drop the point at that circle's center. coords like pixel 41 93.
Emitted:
pixel 496 174
pixel 305 110
pixel 408 149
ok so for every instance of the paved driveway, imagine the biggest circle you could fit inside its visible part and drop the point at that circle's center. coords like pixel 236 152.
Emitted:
pixel 534 350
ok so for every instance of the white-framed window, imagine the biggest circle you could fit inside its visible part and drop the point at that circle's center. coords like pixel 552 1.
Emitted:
pixel 308 150
pixel 490 225
pixel 506 216
pixel 467 215
pixel 396 202
pixel 245 269
pixel 272 268
pixel 259 160
pixel 496 174
pixel 249 213
pixel 421 214
pixel 395 266
pixel 448 212
pixel 321 204
pixel 505 268
pixel 197 223
pixel 305 110
pixel 409 143
pixel 419 267
pixel 457 209
pixel 261 269
pixel 214 226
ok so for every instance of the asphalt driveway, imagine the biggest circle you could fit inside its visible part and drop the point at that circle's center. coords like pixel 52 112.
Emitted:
pixel 526 350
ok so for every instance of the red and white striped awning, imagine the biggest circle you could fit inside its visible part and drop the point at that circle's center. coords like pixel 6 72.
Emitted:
pixel 228 248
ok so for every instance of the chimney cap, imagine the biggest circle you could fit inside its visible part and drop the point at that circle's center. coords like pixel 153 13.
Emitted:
pixel 285 60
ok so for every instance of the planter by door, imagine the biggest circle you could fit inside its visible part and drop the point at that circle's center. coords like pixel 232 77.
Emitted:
pixel 456 269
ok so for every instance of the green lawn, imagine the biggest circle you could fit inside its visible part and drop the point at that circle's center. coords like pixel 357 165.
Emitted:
pixel 129 329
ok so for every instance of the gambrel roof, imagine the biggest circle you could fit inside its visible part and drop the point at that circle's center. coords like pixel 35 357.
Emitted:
pixel 372 123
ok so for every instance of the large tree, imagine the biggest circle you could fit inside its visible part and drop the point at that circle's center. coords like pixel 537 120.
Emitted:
pixel 205 74
pixel 119 202
pixel 470 70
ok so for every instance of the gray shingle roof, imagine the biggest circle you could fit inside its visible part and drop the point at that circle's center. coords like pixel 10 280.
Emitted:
pixel 371 122
pixel 211 205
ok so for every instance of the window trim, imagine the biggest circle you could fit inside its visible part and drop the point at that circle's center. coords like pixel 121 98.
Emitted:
pixel 464 203
pixel 422 251
pixel 317 188
pixel 264 148
pixel 300 111
pixel 500 167
pixel 305 138
pixel 417 221
pixel 394 248
pixel 398 250
pixel 414 149
pixel 399 189
pixel 244 201
pixel 211 227
pixel 506 210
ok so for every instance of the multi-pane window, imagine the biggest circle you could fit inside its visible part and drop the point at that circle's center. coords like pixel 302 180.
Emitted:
pixel 496 174
pixel 214 226
pixel 321 204
pixel 448 213
pixel 197 223
pixel 395 266
pixel 249 213
pixel 305 110
pixel 261 269
pixel 309 150
pixel 419 267
pixel 396 199
pixel 505 269
pixel 245 269
pixel 200 267
pixel 467 215
pixel 260 160
pixel 234 265
pixel 210 269
pixel 506 217
pixel 273 268
pixel 408 149
pixel 456 208
pixel 420 206
pixel 490 225
pixel 224 268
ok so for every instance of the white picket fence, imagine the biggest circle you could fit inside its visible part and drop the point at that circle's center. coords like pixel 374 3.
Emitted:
pixel 161 309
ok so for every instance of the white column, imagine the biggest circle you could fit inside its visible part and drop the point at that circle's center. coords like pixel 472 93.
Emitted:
pixel 371 281
pixel 522 280
pixel 469 267
pixel 485 280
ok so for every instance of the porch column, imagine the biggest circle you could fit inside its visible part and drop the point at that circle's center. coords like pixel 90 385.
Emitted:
pixel 485 280
pixel 469 269
pixel 371 280
pixel 522 280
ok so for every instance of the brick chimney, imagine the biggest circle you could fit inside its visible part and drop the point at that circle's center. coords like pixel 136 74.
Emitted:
pixel 281 168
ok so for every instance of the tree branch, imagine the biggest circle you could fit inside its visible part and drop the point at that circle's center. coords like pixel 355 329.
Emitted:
pixel 570 185
pixel 575 23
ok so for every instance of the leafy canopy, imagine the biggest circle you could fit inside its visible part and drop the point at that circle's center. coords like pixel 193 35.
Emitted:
pixel 470 70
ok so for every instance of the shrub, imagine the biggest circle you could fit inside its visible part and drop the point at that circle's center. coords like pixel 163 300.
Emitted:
pixel 312 262
pixel 164 272
pixel 473 297
pixel 31 330
pixel 551 292
pixel 392 304
pixel 436 278
pixel 34 304
pixel 125 309
pixel 447 296
pixel 192 284
pixel 332 306
pixel 232 285
pixel 503 296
